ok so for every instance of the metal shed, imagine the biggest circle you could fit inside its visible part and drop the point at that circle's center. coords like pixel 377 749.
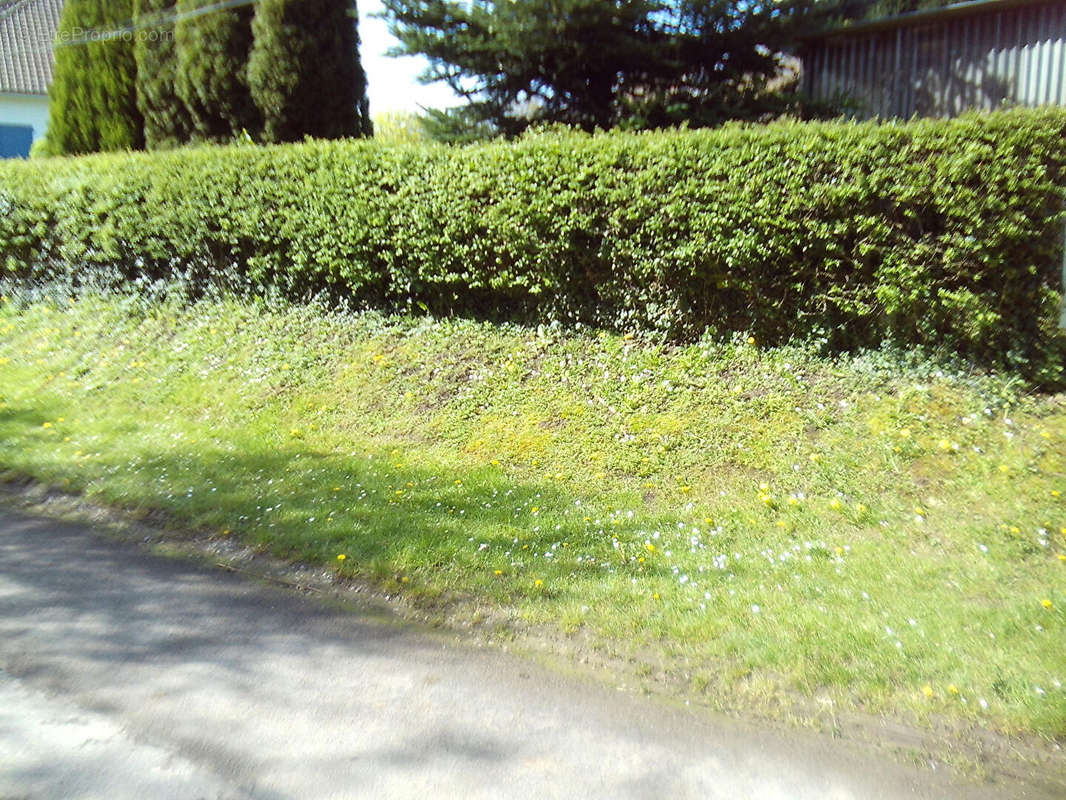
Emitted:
pixel 975 55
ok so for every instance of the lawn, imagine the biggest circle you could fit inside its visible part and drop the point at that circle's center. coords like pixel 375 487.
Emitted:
pixel 776 528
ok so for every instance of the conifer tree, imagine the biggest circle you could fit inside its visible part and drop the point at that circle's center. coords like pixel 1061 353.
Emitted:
pixel 93 99
pixel 166 120
pixel 603 63
pixel 212 45
pixel 304 70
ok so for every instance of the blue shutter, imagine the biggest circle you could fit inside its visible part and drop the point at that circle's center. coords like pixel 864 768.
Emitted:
pixel 15 141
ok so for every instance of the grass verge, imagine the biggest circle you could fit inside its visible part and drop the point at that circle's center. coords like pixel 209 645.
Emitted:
pixel 872 533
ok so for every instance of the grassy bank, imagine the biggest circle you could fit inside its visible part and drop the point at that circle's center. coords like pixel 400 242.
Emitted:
pixel 869 533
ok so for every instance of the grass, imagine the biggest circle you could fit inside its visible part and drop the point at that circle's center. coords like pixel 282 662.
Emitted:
pixel 874 532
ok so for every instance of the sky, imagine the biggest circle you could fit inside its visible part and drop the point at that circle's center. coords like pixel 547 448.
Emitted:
pixel 393 82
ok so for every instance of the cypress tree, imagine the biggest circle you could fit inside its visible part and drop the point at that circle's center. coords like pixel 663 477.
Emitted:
pixel 166 120
pixel 211 76
pixel 304 70
pixel 93 97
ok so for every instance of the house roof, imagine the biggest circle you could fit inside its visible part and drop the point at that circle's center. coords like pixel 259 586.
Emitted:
pixel 27 29
pixel 925 16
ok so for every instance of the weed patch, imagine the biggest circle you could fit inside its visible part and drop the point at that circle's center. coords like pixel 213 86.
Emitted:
pixel 877 532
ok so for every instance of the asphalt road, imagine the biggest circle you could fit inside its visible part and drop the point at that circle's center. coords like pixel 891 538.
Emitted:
pixel 128 674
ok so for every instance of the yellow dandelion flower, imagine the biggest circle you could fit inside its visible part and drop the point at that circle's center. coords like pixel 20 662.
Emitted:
pixel 651 547
pixel 1015 529
pixel 1004 468
pixel 927 690
pixel 341 557
pixel 1046 603
pixel 497 572
pixel 953 689
pixel 835 504
pixel 47 425
pixel 538 583
pixel 655 596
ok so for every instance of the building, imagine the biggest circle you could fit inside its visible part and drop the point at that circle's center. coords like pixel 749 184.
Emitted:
pixel 27 30
pixel 975 55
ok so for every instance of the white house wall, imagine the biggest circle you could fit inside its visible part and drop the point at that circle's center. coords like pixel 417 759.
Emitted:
pixel 21 109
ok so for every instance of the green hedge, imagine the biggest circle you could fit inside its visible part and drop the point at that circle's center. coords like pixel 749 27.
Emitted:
pixel 941 233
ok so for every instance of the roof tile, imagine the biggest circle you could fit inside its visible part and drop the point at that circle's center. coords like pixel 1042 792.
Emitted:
pixel 27 30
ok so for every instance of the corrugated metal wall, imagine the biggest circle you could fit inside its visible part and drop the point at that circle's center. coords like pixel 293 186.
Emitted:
pixel 941 68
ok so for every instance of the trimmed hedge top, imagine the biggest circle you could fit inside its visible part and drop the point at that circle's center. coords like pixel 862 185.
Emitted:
pixel 945 233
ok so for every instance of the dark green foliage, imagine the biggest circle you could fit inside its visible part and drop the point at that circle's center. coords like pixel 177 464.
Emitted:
pixel 304 70
pixel 601 63
pixel 166 120
pixel 876 9
pixel 942 233
pixel 556 60
pixel 93 95
pixel 212 69
pixel 455 126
